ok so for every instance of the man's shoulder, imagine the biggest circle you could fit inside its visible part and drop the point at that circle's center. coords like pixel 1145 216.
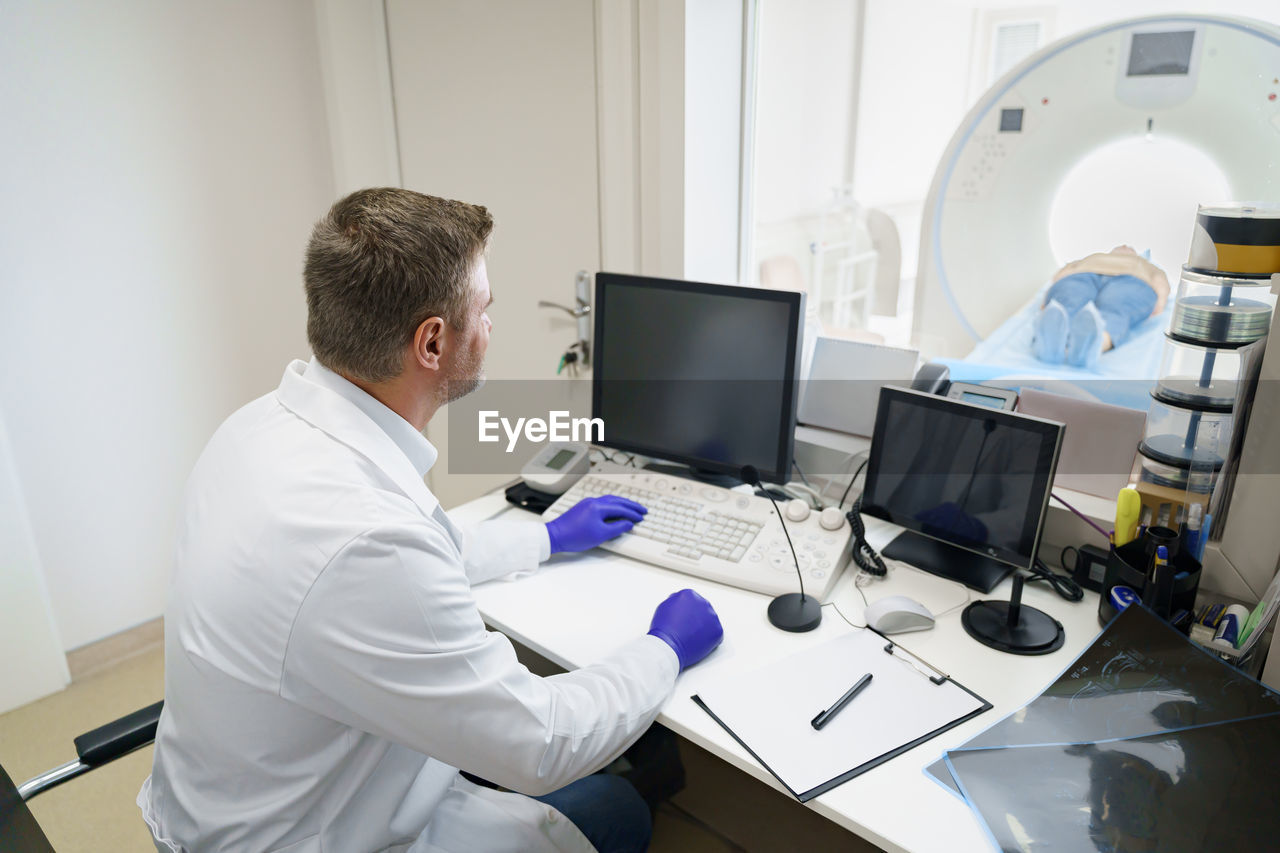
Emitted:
pixel 267 436
pixel 267 466
pixel 270 505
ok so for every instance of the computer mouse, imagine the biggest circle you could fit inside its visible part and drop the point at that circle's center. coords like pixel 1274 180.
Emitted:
pixel 896 614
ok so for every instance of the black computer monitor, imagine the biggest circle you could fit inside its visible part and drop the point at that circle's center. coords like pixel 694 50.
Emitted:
pixel 969 483
pixel 699 374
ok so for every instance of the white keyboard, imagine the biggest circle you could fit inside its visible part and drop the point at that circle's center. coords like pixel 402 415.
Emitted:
pixel 717 534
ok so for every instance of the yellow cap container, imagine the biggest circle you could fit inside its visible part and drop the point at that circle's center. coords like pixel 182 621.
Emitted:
pixel 1236 239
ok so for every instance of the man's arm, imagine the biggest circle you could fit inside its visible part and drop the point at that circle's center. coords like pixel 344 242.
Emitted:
pixel 501 547
pixel 389 641
pixel 498 548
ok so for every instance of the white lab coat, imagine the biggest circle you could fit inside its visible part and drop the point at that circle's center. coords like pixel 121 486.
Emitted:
pixel 326 669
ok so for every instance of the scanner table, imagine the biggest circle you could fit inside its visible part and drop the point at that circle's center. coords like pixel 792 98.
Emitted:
pixel 576 607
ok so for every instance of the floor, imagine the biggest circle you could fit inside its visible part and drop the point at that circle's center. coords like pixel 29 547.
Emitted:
pixel 95 812
pixel 721 809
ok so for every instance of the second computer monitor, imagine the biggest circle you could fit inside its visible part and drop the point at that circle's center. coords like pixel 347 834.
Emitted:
pixel 969 483
pixel 700 374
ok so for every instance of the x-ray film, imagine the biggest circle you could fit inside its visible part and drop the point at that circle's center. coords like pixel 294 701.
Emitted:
pixel 1139 677
pixel 1208 788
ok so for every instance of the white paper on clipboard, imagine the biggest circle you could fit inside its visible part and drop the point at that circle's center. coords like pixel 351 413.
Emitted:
pixel 769 710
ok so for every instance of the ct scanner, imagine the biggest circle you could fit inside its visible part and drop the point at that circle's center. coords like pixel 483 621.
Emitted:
pixel 1204 82
pixel 1209 84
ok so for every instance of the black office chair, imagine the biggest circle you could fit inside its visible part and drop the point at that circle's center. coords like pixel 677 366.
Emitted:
pixel 19 832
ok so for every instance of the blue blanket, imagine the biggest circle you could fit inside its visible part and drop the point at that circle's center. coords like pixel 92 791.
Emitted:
pixel 1123 376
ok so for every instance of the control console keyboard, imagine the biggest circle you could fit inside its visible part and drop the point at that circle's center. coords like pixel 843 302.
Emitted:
pixel 714 533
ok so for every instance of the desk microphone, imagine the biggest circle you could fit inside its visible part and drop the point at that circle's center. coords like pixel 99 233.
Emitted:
pixel 792 611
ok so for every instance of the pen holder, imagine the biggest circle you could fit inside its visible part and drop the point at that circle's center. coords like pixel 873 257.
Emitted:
pixel 1127 566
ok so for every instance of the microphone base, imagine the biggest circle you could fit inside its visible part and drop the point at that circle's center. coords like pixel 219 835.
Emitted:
pixel 795 612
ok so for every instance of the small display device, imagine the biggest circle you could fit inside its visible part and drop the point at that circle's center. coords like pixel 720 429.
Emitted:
pixel 983 395
pixel 556 467
pixel 1161 54
pixel 969 483
pixel 1011 120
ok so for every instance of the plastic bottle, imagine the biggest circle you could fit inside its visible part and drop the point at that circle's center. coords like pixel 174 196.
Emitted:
pixel 1191 533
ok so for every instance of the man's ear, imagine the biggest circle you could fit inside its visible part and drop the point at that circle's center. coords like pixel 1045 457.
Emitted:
pixel 429 342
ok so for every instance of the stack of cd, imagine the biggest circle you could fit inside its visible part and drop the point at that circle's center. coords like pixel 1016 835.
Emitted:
pixel 1221 309
pixel 1186 438
pixel 1183 376
pixel 1221 314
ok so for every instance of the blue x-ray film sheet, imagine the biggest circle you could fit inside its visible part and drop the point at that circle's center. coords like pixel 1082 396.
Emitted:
pixel 1138 677
pixel 1210 788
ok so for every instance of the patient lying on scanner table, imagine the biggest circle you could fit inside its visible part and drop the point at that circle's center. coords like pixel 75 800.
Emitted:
pixel 1094 303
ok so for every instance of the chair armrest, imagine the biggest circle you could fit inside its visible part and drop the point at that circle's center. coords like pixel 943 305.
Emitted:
pixel 100 746
pixel 109 742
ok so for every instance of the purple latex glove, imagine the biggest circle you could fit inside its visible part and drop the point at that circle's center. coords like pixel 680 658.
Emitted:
pixel 687 623
pixel 591 521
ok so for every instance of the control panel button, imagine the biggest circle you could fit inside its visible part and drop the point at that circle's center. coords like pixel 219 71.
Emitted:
pixel 797 510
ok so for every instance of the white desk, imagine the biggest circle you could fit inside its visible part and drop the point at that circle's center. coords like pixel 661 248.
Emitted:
pixel 578 607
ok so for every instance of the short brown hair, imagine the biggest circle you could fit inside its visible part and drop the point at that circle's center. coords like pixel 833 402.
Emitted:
pixel 380 263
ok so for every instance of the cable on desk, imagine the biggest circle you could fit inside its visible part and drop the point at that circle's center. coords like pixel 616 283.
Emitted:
pixel 797 489
pixel 863 554
pixel 840 612
pixel 805 487
pixel 968 599
pixel 1104 534
pixel 1062 585
pixel 803 478
pixel 829 479
pixel 852 480
pixel 860 580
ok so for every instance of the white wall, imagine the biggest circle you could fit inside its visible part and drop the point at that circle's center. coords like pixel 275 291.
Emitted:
pixel 712 139
pixel 162 165
pixel 26 621
pixel 359 98
pixel 660 94
pixel 915 72
pixel 803 99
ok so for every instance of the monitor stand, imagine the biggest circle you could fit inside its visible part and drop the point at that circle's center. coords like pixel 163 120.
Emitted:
pixel 973 570
pixel 713 478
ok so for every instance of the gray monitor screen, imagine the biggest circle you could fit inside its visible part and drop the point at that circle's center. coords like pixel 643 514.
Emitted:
pixel 1156 54
pixel 700 374
pixel 965 474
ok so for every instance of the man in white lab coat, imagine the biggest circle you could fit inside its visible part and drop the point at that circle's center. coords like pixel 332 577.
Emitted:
pixel 326 669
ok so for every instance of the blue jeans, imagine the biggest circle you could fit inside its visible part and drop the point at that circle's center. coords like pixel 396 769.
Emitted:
pixel 1124 301
pixel 607 810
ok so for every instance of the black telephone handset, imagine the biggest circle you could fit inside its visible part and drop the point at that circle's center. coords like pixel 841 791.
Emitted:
pixel 932 378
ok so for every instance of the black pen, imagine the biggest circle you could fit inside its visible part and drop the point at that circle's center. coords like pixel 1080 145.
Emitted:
pixel 825 717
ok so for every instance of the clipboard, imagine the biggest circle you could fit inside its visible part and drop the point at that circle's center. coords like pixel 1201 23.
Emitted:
pixel 768 710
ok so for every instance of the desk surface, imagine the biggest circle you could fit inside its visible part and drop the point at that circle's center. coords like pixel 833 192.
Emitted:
pixel 579 606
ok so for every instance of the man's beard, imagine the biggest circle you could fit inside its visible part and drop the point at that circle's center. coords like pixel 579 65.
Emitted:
pixel 468 376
